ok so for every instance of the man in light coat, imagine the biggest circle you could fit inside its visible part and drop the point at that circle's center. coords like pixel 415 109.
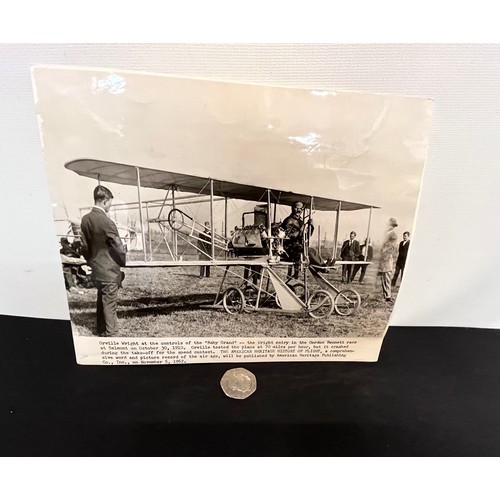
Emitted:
pixel 386 264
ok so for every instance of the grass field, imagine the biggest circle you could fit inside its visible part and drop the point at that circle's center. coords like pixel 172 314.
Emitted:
pixel 161 302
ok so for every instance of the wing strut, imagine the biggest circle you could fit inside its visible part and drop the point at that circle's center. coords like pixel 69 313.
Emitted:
pixel 336 233
pixel 269 235
pixel 212 228
pixel 368 234
pixel 225 224
pixel 174 233
pixel 149 233
pixel 140 212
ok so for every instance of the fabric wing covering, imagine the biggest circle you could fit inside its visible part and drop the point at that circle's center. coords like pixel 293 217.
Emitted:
pixel 127 174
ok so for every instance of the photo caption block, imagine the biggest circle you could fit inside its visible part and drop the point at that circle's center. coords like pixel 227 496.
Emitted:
pixel 167 351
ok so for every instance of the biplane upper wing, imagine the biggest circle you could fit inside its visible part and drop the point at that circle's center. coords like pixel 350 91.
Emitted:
pixel 128 175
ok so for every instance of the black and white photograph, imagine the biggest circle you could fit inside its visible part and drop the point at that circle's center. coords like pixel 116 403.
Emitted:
pixel 188 208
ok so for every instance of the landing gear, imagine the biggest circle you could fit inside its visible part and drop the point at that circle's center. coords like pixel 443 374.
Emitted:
pixel 346 302
pixel 320 304
pixel 233 300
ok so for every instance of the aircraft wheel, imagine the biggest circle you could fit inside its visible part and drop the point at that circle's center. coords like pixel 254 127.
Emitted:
pixel 175 219
pixel 346 302
pixel 320 304
pixel 300 290
pixel 250 294
pixel 277 301
pixel 233 300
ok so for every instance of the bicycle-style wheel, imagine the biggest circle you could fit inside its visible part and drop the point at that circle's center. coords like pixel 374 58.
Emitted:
pixel 250 294
pixel 346 302
pixel 233 300
pixel 175 219
pixel 320 304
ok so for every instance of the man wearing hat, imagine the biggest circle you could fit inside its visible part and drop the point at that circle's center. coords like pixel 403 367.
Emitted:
pixel 294 228
pixel 105 253
pixel 386 264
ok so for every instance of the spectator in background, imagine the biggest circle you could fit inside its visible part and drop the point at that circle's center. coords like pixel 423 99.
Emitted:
pixel 67 259
pixel 76 246
pixel 350 251
pixel 204 246
pixel 74 265
pixel 386 264
pixel 402 253
pixel 366 255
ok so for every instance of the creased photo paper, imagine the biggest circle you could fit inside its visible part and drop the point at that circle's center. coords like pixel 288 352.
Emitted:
pixel 206 221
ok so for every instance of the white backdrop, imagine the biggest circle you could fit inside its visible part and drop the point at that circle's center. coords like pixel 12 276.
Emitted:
pixel 452 278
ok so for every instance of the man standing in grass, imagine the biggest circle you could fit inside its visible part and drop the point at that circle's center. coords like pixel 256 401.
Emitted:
pixel 350 251
pixel 402 254
pixel 105 253
pixel 204 245
pixel 386 264
pixel 366 255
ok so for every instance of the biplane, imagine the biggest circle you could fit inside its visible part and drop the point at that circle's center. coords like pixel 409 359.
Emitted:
pixel 254 251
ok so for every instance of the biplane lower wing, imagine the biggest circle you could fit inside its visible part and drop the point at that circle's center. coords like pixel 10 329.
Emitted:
pixel 230 262
pixel 194 263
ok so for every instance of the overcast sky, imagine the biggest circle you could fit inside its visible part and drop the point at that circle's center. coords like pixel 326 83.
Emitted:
pixel 366 148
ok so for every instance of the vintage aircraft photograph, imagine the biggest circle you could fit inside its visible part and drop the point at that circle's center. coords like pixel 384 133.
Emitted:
pixel 237 210
pixel 256 253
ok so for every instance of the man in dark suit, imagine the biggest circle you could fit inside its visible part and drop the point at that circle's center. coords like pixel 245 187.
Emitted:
pixel 105 253
pixel 401 262
pixel 366 255
pixel 204 245
pixel 350 251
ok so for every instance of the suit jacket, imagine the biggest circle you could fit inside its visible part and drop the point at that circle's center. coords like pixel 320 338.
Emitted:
pixel 351 252
pixel 403 252
pixel 102 247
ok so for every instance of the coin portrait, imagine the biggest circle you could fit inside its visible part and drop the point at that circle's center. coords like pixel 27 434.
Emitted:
pixel 238 383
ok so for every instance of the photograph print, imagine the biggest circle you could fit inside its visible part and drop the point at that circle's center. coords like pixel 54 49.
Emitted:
pixel 193 208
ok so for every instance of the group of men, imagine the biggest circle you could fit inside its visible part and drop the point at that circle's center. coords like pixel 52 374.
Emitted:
pixel 352 251
pixel 76 272
pixel 389 271
pixel 102 248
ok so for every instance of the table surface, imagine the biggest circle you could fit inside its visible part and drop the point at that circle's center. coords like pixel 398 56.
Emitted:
pixel 434 391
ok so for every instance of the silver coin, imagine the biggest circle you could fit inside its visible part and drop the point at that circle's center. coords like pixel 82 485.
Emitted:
pixel 238 383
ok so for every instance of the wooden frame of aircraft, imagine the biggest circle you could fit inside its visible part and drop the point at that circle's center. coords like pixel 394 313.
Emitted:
pixel 255 294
